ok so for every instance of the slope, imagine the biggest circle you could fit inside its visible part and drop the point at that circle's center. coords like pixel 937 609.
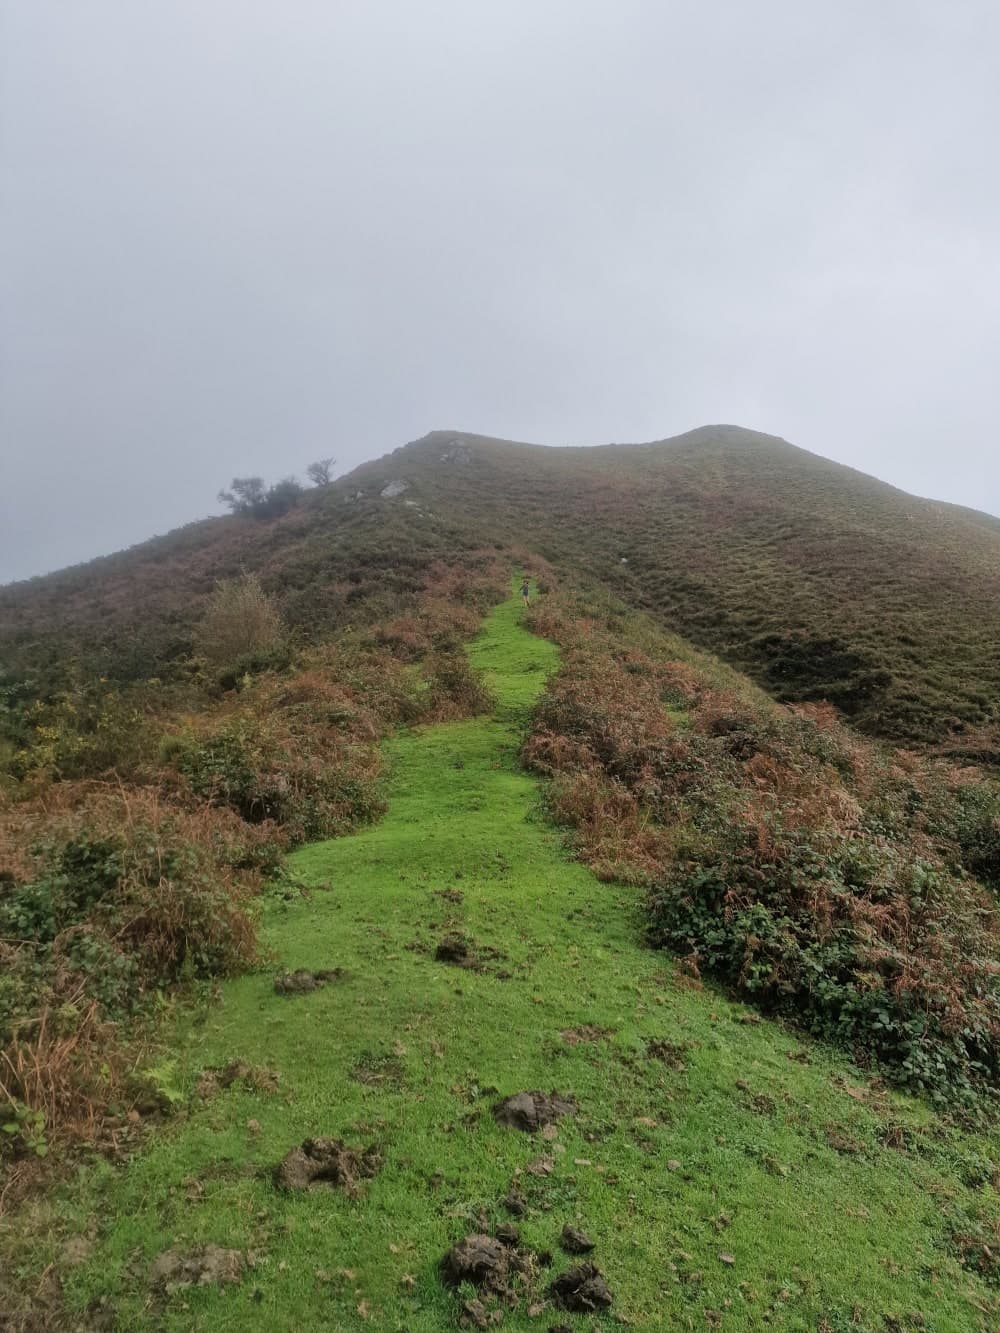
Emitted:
pixel 820 581
pixel 732 1176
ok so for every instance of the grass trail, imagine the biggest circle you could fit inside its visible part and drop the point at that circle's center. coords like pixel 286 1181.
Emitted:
pixel 670 1164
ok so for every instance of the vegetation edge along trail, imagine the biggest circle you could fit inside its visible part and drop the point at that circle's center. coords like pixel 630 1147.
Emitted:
pixel 729 1173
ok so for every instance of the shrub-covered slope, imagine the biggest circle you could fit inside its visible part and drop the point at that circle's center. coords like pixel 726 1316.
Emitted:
pixel 849 888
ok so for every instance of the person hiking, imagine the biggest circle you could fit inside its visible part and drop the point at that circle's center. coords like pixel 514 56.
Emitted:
pixel 526 593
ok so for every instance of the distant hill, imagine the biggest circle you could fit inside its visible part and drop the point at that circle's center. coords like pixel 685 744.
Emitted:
pixel 816 579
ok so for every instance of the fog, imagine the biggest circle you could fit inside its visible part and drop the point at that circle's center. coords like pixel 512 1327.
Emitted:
pixel 240 235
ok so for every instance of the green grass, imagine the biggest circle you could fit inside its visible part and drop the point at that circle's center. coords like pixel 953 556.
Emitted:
pixel 772 1160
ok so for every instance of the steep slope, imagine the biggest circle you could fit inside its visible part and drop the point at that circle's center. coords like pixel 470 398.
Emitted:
pixel 731 1175
pixel 818 580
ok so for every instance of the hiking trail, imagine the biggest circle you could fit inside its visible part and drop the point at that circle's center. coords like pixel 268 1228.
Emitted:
pixel 700 1196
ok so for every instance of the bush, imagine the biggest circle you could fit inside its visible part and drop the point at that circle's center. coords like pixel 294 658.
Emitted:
pixel 264 775
pixel 119 897
pixel 249 495
pixel 456 689
pixel 242 622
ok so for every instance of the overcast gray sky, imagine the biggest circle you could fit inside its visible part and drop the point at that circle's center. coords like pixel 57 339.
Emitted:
pixel 238 235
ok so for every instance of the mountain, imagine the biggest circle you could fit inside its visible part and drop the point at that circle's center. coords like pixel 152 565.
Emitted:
pixel 817 580
pixel 310 828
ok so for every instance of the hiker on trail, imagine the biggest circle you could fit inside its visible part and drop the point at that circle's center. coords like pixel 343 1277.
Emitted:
pixel 526 593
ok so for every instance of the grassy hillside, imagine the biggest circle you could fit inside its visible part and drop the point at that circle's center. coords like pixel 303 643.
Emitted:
pixel 730 1174
pixel 203 782
pixel 819 581
pixel 822 582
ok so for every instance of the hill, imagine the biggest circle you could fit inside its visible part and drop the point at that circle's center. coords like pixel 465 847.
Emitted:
pixel 316 847
pixel 726 1173
pixel 821 582
pixel 817 580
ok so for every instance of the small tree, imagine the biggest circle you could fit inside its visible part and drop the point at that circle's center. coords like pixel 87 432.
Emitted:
pixel 241 619
pixel 246 496
pixel 250 496
pixel 280 497
pixel 319 472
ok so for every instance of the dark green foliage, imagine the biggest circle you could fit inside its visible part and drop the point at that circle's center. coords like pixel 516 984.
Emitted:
pixel 803 667
pixel 255 664
pixel 973 821
pixel 249 495
pixel 256 772
pixel 793 931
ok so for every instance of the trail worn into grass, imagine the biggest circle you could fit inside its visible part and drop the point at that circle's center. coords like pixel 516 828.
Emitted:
pixel 730 1175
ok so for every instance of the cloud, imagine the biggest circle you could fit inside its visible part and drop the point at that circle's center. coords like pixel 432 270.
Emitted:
pixel 239 236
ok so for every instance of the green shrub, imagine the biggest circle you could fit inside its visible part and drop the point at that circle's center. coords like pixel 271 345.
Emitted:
pixel 241 622
pixel 263 775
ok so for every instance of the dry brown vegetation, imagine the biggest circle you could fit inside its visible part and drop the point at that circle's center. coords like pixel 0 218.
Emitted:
pixel 135 838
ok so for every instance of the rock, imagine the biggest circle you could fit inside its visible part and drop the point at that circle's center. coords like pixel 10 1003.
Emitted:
pixel 394 488
pixel 456 452
pixel 530 1111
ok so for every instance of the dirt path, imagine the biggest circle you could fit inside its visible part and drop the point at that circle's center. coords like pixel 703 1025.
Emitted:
pixel 701 1195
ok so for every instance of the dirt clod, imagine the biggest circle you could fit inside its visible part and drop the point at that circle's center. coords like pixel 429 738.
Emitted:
pixel 530 1111
pixel 479 1259
pixel 508 1234
pixel 459 950
pixel 206 1265
pixel 302 981
pixel 582 1289
pixel 326 1161
pixel 456 949
pixel 450 895
pixel 670 1052
pixel 575 1241
pixel 476 1315
pixel 256 1078
pixel 585 1033
pixel 515 1203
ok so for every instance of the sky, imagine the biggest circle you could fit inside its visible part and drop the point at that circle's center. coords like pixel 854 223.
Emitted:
pixel 240 235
